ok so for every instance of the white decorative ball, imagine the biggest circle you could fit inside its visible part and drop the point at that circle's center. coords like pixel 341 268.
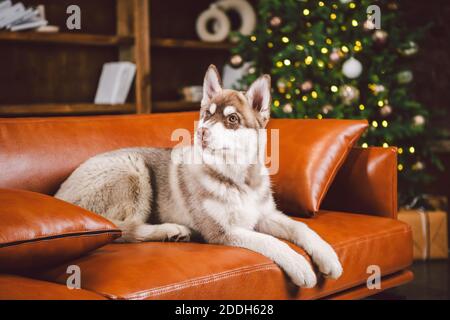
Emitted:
pixel 352 68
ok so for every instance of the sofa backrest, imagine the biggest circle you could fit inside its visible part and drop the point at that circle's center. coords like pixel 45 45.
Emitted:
pixel 38 154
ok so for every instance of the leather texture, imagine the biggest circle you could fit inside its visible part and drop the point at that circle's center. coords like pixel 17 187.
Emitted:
pixel 311 153
pixel 37 230
pixel 366 183
pixel 20 288
pixel 39 154
pixel 362 291
pixel 201 271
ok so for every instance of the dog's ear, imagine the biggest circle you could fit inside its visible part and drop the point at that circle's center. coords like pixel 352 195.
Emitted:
pixel 211 84
pixel 258 96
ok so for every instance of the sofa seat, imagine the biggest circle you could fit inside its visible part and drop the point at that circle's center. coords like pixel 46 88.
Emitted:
pixel 202 271
pixel 14 287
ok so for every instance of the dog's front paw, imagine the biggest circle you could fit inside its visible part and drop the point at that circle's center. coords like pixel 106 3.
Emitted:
pixel 177 232
pixel 301 273
pixel 327 261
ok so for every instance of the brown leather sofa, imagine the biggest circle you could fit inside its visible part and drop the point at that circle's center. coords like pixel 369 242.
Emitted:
pixel 357 217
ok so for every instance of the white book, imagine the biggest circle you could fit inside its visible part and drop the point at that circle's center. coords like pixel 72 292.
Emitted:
pixel 5 4
pixel 30 15
pixel 115 82
pixel 29 25
pixel 11 14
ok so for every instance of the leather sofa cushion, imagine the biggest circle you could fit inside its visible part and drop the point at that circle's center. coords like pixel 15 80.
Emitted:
pixel 202 271
pixel 38 231
pixel 20 288
pixel 366 183
pixel 311 153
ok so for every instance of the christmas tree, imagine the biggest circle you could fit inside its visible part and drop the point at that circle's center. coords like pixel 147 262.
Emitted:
pixel 344 59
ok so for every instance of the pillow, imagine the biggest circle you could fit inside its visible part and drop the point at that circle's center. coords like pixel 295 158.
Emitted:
pixel 37 231
pixel 310 154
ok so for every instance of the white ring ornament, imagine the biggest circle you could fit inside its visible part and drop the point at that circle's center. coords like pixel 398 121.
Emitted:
pixel 246 12
pixel 221 24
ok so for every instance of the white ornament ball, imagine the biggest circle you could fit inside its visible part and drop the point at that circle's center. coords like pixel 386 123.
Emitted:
pixel 352 68
pixel 419 120
pixel 287 108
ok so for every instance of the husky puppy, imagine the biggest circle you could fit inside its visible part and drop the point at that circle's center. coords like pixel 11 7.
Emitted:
pixel 152 197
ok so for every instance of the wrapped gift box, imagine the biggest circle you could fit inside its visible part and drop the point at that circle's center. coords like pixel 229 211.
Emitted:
pixel 429 229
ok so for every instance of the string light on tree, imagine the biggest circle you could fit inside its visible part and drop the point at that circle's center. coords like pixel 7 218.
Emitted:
pixel 377 88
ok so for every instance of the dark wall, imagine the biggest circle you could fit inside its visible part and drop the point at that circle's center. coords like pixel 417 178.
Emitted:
pixel 431 66
pixel 431 69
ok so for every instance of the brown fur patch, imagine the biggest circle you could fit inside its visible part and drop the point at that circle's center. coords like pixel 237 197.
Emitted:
pixel 215 175
pixel 248 117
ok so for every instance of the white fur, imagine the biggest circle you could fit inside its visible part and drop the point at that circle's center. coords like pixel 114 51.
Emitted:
pixel 229 110
pixel 212 108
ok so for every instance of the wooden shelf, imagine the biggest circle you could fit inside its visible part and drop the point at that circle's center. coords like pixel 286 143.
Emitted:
pixel 64 109
pixel 66 38
pixel 190 44
pixel 174 106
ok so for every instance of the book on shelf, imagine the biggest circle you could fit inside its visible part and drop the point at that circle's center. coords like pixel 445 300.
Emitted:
pixel 115 82
pixel 16 17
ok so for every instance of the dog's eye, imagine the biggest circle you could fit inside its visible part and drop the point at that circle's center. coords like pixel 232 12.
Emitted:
pixel 233 118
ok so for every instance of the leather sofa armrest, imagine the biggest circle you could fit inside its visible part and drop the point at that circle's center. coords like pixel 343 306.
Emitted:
pixel 366 183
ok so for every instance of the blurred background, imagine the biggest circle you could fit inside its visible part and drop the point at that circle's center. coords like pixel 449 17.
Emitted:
pixel 327 59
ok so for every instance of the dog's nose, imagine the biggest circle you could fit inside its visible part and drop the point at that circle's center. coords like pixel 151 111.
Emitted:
pixel 203 135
